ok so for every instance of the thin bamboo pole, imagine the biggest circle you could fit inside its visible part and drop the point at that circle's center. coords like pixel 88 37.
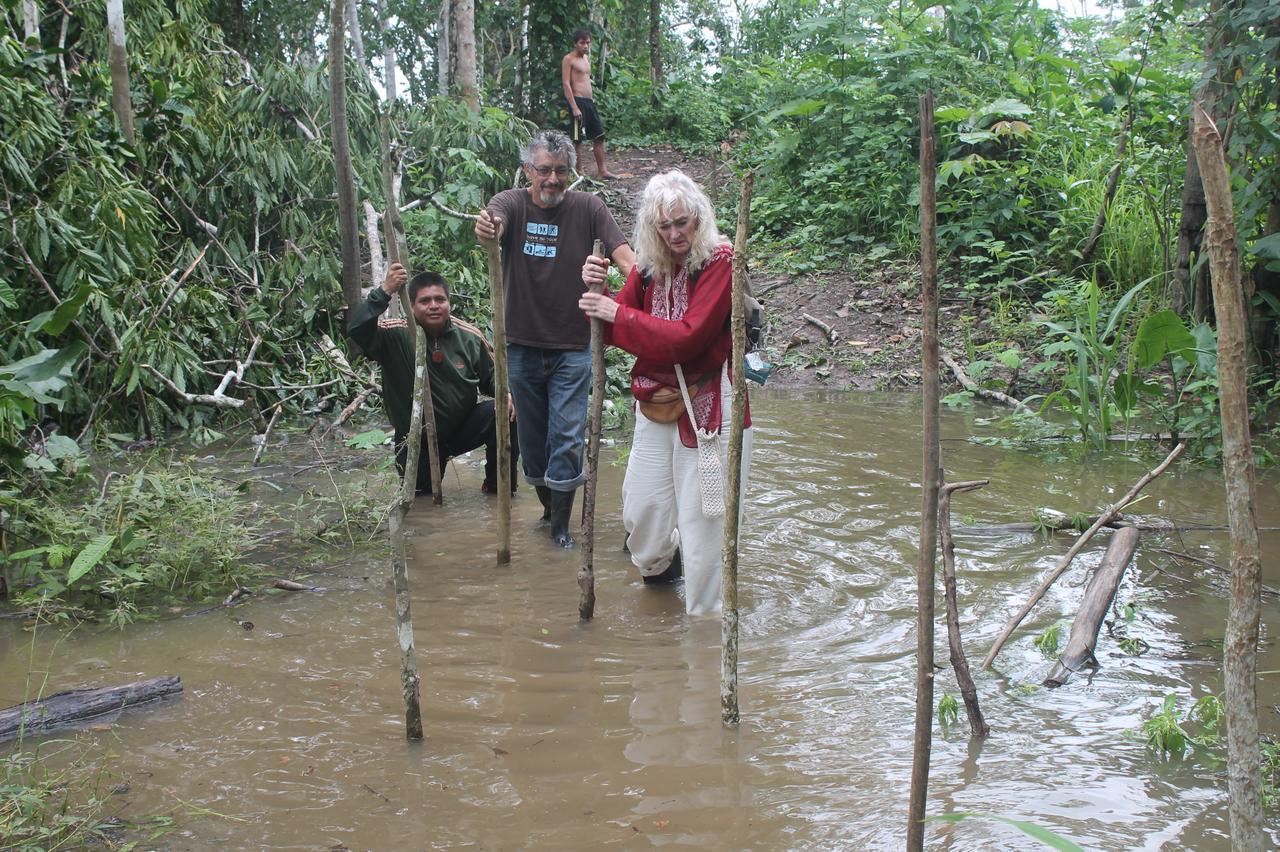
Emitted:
pixel 729 707
pixel 586 570
pixel 409 681
pixel 925 566
pixel 398 252
pixel 497 300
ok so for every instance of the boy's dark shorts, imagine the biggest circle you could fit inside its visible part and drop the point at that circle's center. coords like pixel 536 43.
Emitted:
pixel 589 127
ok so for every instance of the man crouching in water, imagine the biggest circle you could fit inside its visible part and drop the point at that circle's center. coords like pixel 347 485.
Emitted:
pixel 459 361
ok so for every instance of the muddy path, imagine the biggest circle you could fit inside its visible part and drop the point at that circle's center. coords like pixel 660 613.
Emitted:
pixel 869 310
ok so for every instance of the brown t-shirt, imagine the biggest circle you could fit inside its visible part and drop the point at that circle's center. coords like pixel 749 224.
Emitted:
pixel 543 253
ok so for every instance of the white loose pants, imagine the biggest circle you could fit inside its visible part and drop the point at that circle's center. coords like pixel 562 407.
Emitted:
pixel 662 509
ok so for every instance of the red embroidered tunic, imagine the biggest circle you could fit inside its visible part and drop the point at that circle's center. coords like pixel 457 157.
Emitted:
pixel 683 323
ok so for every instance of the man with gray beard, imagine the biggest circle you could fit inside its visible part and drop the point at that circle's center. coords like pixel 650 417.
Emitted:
pixel 546 233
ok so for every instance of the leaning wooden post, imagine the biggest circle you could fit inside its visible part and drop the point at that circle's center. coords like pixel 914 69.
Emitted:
pixel 398 252
pixel 928 481
pixel 497 301
pixel 1107 516
pixel 1094 607
pixel 1240 648
pixel 399 559
pixel 733 485
pixel 959 662
pixel 587 570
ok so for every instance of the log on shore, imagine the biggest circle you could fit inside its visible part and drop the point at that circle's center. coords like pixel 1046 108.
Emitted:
pixel 1098 596
pixel 78 706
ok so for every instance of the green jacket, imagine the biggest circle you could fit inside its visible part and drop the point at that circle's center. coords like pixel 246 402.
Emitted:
pixel 465 371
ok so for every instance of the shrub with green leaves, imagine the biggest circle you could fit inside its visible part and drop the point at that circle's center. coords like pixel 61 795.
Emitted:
pixel 141 540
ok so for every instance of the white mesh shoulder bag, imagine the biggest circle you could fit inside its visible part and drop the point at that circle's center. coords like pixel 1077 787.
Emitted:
pixel 710 472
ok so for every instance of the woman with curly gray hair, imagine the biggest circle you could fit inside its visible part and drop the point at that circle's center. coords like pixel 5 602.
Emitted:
pixel 673 315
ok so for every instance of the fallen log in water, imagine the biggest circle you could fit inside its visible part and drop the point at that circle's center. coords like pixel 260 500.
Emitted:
pixel 76 706
pixel 1098 596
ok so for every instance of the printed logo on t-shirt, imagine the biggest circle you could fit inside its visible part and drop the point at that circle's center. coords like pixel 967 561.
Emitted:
pixel 541 239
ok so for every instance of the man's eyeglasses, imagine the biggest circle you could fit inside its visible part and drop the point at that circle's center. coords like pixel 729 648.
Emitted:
pixel 545 171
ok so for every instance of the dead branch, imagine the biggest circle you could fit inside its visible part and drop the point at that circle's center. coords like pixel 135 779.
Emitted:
pixel 974 388
pixel 1107 516
pixel 266 435
pixel 959 662
pixel 831 333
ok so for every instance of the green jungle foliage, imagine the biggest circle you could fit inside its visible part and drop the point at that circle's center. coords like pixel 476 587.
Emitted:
pixel 132 276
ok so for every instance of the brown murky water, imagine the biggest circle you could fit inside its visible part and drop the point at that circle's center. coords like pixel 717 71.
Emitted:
pixel 543 733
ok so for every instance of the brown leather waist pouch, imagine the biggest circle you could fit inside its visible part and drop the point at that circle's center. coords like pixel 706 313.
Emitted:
pixel 666 405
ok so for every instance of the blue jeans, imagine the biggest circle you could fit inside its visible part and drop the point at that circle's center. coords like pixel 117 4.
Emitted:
pixel 549 388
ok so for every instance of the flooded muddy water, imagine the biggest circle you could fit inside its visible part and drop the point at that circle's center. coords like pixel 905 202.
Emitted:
pixel 544 733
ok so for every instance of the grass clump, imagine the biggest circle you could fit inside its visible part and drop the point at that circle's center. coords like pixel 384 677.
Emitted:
pixel 136 541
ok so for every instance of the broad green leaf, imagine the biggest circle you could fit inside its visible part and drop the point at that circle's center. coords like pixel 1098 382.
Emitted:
pixel 87 559
pixel 1006 108
pixel 1162 333
pixel 60 447
pixel 951 114
pixel 57 320
pixel 1044 835
pixel 1268 247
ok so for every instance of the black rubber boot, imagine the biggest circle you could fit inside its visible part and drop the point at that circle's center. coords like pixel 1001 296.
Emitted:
pixel 544 497
pixel 674 572
pixel 561 511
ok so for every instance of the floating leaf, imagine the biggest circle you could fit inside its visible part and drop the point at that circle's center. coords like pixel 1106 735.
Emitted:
pixel 1044 835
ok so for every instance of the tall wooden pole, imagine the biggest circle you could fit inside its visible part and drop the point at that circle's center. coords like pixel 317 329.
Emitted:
pixel 497 299
pixel 928 481
pixel 586 570
pixel 733 485
pixel 398 252
pixel 344 174
pixel 409 682
pixel 1239 653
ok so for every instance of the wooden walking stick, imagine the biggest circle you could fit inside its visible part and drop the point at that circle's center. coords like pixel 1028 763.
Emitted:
pixel 399 559
pixel 398 252
pixel 932 452
pixel 497 300
pixel 587 571
pixel 733 484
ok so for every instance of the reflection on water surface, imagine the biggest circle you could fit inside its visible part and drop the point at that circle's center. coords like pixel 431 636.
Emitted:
pixel 543 733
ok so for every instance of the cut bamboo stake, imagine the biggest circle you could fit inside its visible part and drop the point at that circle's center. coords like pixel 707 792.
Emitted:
pixel 497 301
pixel 1240 648
pixel 398 252
pixel 1103 519
pixel 587 571
pixel 925 565
pixel 1094 606
pixel 733 485
pixel 959 662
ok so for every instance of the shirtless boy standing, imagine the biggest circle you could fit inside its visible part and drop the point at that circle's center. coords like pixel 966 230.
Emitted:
pixel 575 74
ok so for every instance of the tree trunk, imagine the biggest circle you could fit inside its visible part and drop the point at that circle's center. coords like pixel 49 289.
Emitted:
pixel 444 49
pixel 118 61
pixel 388 53
pixel 655 46
pixel 1098 596
pixel 30 20
pixel 1190 233
pixel 729 708
pixel 464 21
pixel 1240 648
pixel 357 37
pixel 930 475
pixel 344 174
pixel 76 706
pixel 519 87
